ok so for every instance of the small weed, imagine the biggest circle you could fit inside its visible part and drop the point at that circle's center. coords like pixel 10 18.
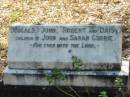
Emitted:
pixel 14 16
pixel 103 94
pixel 55 74
pixel 76 62
pixel 119 85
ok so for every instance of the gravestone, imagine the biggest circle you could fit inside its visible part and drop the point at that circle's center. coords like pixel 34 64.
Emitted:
pixel 49 46
pixel 34 50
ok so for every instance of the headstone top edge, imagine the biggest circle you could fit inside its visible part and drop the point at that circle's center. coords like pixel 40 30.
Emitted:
pixel 73 24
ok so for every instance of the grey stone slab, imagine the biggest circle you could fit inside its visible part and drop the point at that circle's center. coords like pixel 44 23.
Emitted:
pixel 48 46
pixel 81 81
pixel 80 73
pixel 73 78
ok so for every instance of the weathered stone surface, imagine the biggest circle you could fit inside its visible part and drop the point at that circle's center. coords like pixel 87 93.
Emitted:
pixel 49 46
pixel 73 78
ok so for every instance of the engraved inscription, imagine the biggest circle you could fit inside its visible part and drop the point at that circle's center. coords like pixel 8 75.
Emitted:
pixel 56 44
